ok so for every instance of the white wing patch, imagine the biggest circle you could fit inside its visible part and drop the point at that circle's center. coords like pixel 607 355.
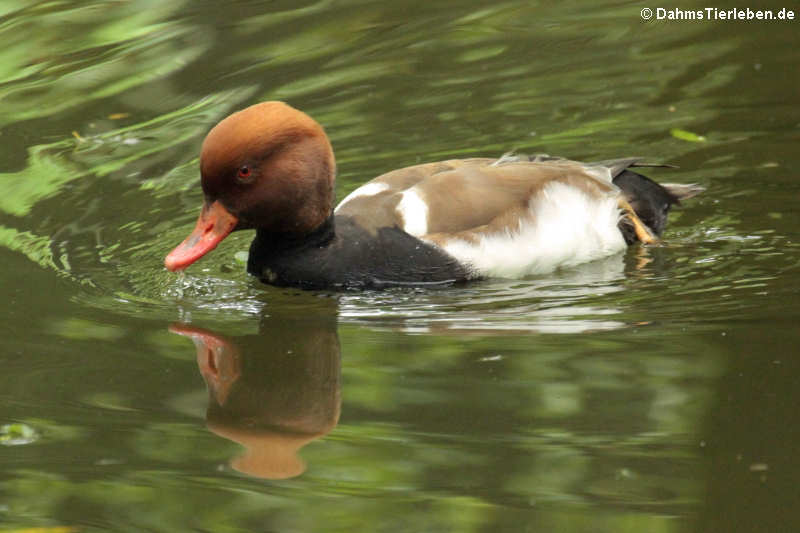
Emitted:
pixel 368 189
pixel 599 173
pixel 566 227
pixel 414 211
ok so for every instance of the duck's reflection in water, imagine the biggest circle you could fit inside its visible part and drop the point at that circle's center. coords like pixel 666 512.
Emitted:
pixel 275 392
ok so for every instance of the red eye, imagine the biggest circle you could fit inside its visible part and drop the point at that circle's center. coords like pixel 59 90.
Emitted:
pixel 244 172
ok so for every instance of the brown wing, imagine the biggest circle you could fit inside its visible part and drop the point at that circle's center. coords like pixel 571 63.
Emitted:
pixel 469 195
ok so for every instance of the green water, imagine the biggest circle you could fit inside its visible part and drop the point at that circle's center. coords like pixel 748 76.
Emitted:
pixel 651 392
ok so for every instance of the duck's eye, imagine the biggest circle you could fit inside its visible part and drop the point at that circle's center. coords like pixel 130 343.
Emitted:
pixel 244 172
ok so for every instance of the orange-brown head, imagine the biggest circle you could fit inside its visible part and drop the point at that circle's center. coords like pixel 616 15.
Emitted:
pixel 268 166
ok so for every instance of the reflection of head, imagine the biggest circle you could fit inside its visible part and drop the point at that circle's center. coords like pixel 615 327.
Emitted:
pixel 273 392
pixel 288 383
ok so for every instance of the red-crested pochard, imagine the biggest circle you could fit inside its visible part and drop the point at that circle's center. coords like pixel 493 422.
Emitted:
pixel 271 168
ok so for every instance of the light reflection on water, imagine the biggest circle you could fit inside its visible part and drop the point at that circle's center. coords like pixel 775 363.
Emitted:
pixel 550 305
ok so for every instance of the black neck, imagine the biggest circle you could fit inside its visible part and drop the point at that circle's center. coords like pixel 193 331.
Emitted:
pixel 284 242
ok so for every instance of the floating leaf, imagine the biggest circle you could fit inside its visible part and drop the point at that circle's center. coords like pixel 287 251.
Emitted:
pixel 687 136
pixel 17 434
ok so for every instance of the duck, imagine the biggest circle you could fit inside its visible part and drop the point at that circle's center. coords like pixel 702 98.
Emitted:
pixel 271 168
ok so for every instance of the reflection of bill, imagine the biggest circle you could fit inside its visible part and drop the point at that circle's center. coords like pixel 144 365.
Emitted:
pixel 272 393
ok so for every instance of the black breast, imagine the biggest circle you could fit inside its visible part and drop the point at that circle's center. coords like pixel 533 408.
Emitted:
pixel 342 254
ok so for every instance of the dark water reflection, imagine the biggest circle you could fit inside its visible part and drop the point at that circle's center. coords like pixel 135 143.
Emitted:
pixel 273 392
pixel 654 391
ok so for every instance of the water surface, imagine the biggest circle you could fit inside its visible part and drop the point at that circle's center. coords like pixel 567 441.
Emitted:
pixel 652 391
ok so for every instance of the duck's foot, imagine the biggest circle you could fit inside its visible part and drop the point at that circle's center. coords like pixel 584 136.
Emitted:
pixel 643 233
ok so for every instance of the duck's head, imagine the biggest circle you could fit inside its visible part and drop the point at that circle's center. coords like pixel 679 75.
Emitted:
pixel 270 167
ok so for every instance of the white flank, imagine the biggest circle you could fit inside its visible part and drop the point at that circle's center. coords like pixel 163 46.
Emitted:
pixel 368 189
pixel 414 211
pixel 566 228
